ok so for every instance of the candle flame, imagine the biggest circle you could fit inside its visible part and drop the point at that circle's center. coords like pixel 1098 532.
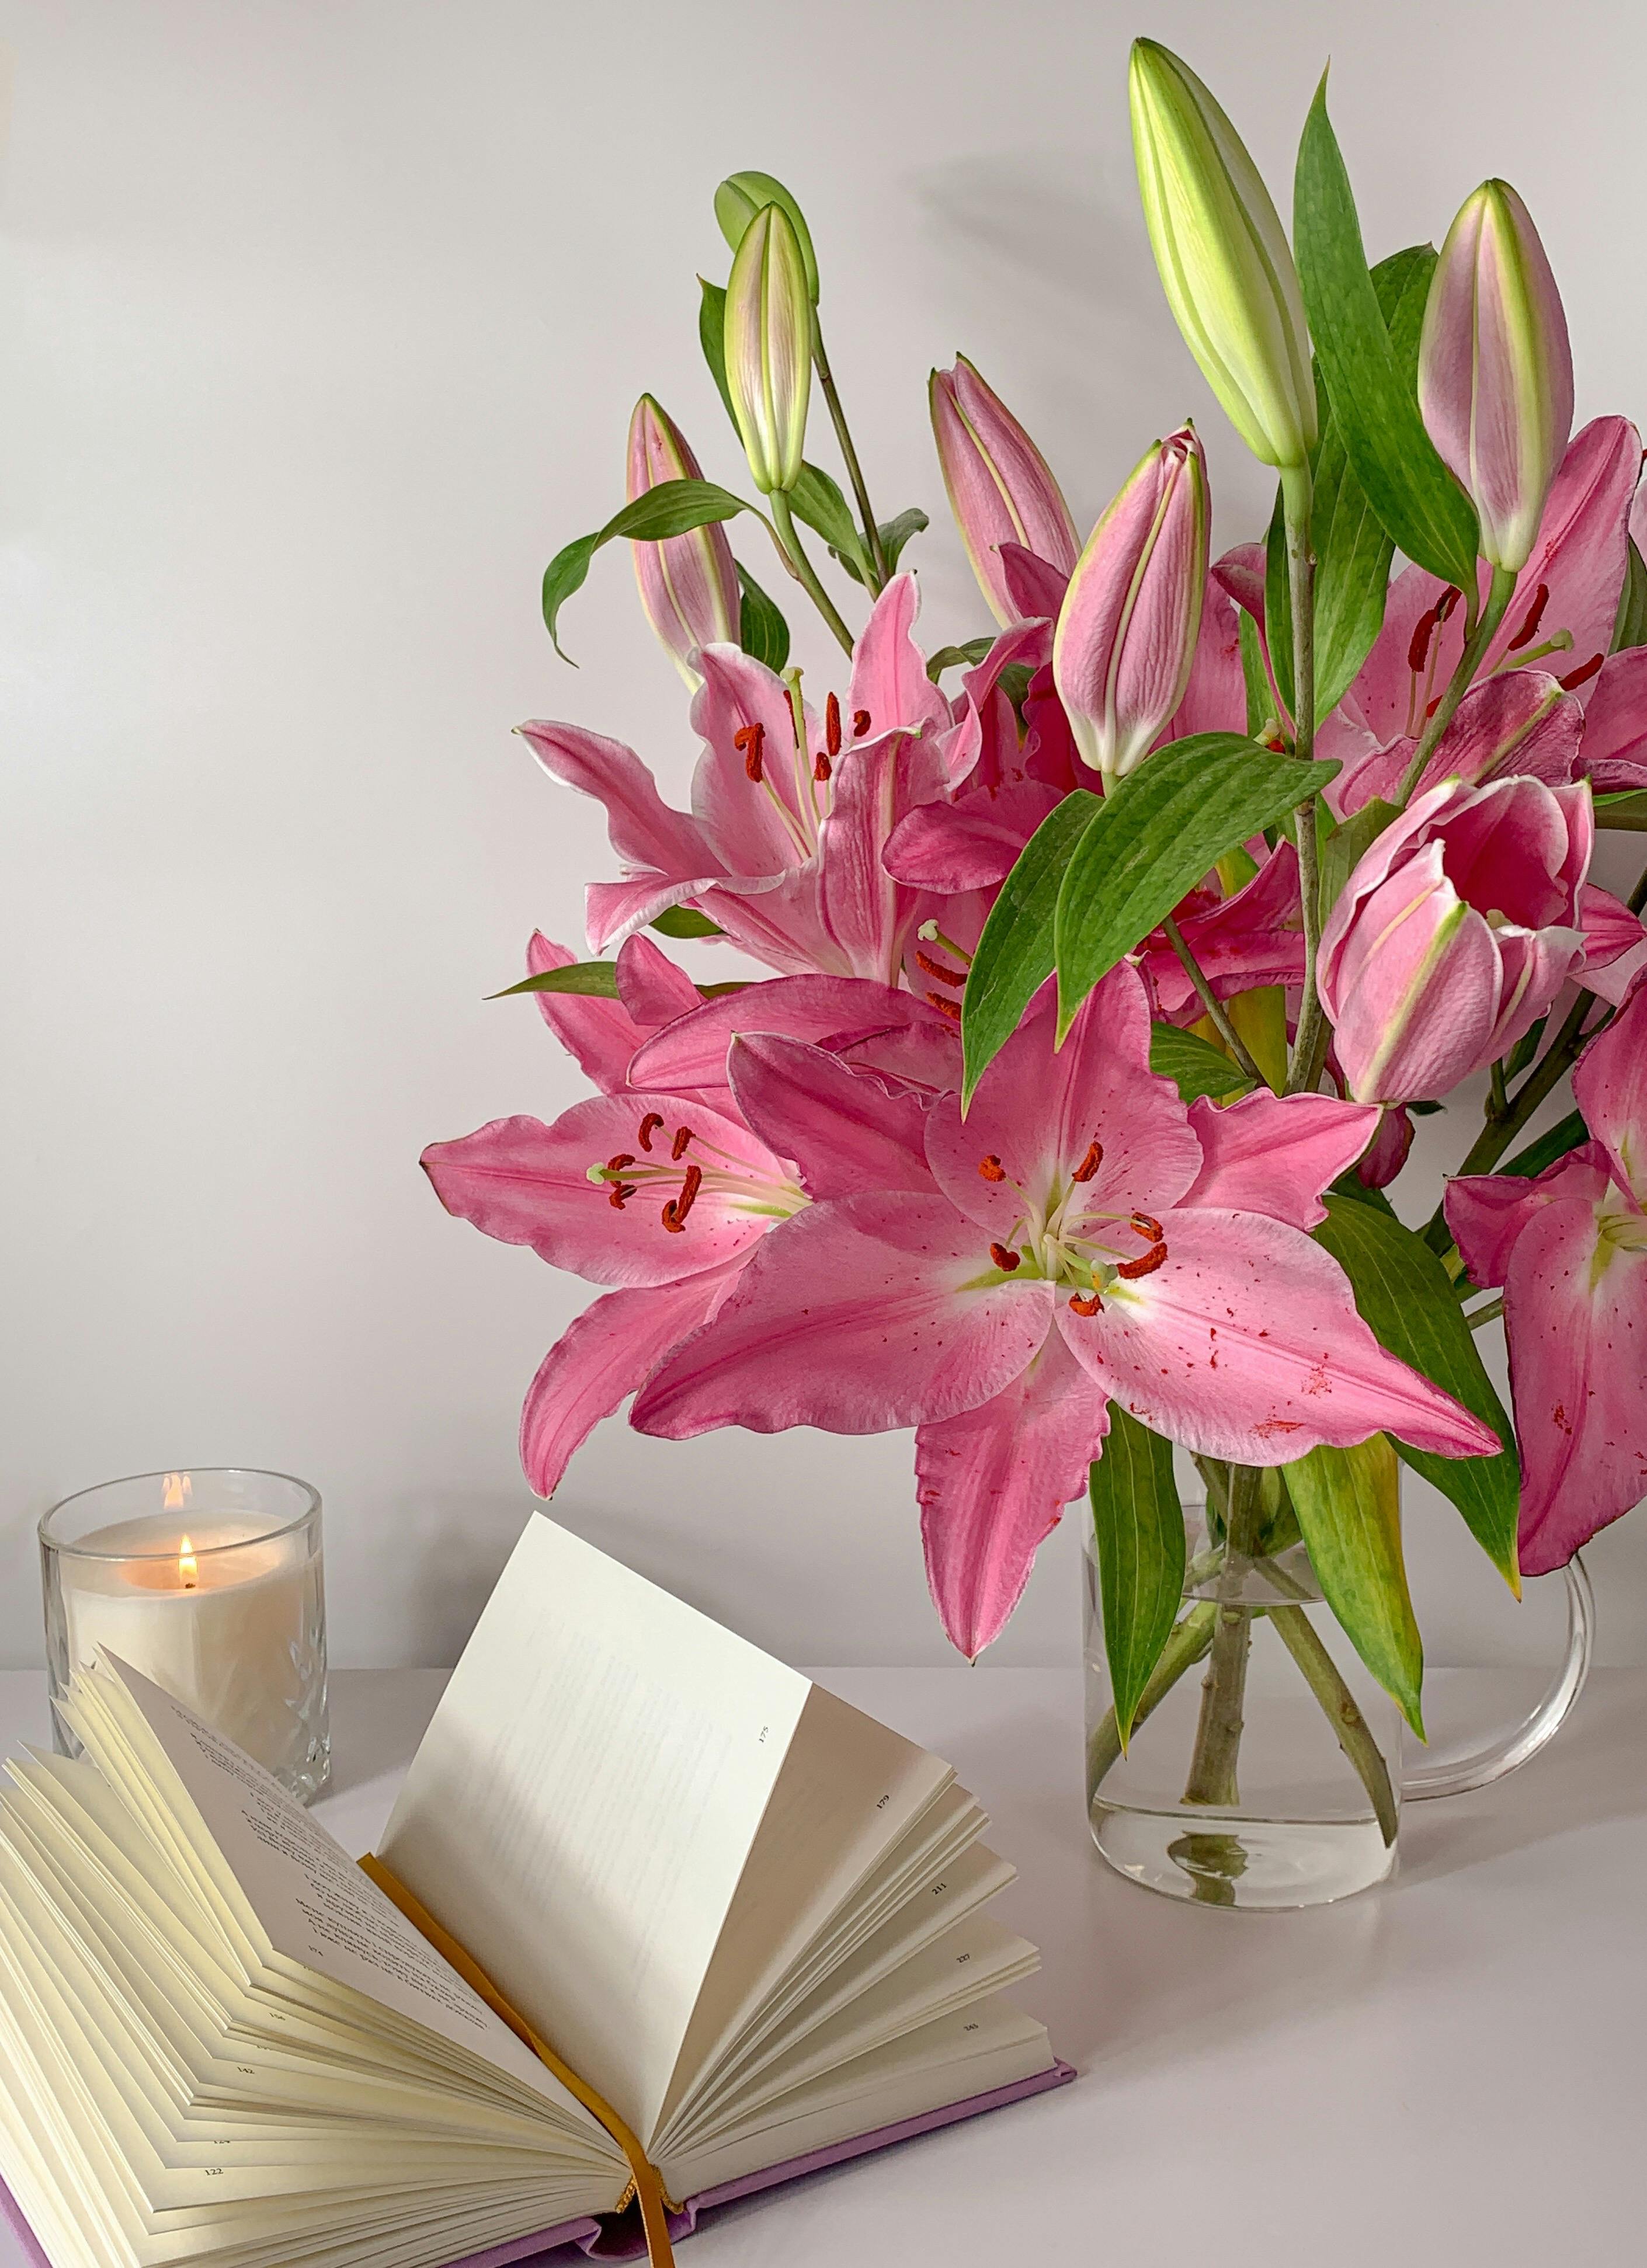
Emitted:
pixel 175 1491
pixel 187 1567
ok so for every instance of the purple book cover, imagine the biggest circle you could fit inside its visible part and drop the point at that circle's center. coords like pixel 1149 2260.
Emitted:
pixel 619 2238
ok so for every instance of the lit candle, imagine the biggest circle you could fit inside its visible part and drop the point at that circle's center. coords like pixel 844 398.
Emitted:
pixel 211 1598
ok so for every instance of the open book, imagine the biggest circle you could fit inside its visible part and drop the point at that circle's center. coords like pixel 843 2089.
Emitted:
pixel 748 1917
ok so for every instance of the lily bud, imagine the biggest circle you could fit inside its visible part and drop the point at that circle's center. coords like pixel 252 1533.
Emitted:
pixel 769 348
pixel 1001 490
pixel 742 196
pixel 1126 636
pixel 1454 934
pixel 1495 371
pixel 1223 256
pixel 688 585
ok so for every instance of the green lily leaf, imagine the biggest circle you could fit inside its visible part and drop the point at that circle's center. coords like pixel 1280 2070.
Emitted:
pixel 1348 845
pixel 1630 628
pixel 1154 836
pixel 1422 507
pixel 1627 811
pixel 763 633
pixel 597 979
pixel 1139 1525
pixel 671 508
pixel 895 533
pixel 1539 1155
pixel 685 921
pixel 1193 1063
pixel 712 328
pixel 817 499
pixel 1015 953
pixel 956 657
pixel 1350 1507
pixel 1404 1296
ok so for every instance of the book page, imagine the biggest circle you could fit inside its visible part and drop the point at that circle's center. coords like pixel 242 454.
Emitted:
pixel 581 1808
pixel 316 1906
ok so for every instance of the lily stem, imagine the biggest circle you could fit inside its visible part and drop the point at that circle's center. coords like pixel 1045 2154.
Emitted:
pixel 1310 1042
pixel 1475 645
pixel 805 574
pixel 1209 1000
pixel 854 470
pixel 1189 1640
pixel 1212 1778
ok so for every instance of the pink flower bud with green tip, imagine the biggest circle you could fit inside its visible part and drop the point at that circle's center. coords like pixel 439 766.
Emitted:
pixel 1001 489
pixel 769 348
pixel 1495 371
pixel 688 585
pixel 1126 636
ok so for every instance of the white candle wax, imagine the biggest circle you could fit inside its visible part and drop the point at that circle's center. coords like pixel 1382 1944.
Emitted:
pixel 209 1607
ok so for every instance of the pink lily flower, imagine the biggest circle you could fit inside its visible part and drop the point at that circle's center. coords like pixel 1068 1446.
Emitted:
pixel 689 584
pixel 783 845
pixel 1614 754
pixel 1521 722
pixel 1569 1250
pixel 1254 937
pixel 1454 934
pixel 1000 488
pixel 1086 1236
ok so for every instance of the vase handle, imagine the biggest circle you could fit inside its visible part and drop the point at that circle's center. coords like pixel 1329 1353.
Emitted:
pixel 1484 1765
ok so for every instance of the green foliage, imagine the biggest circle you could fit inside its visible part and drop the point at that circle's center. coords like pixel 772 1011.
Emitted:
pixel 1194 1066
pixel 1347 844
pixel 1349 1508
pixel 1015 953
pixel 597 979
pixel 1375 404
pixel 711 337
pixel 1403 1295
pixel 685 921
pixel 895 533
pixel 1155 835
pixel 671 508
pixel 1630 626
pixel 956 657
pixel 763 633
pixel 1540 1155
pixel 817 499
pixel 1627 812
pixel 1138 1525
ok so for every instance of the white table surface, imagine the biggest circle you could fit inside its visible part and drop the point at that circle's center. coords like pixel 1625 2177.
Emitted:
pixel 1446 2072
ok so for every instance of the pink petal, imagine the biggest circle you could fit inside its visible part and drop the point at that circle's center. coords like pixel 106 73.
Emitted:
pixel 757 826
pixel 600 1360
pixel 615 910
pixel 1036 1115
pixel 1614 752
pixel 992 1483
pixel 527 1184
pixel 1240 574
pixel 693 1051
pixel 1387 1152
pixel 1214 699
pixel 650 986
pixel 1024 645
pixel 601 1035
pixel 1245 1343
pixel 1256 937
pixel 971 843
pixel 1610 1088
pixel 1575 1315
pixel 778 920
pixel 1274 1155
pixel 842 1128
pixel 1034 587
pixel 868 914
pixel 889 670
pixel 1486 1212
pixel 644 831
pixel 868 1314
pixel 1579 554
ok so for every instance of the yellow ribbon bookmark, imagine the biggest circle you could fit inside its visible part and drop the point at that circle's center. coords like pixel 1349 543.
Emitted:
pixel 647 2182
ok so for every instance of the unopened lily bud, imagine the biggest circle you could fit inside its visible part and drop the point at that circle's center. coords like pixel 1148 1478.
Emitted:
pixel 1126 632
pixel 742 196
pixel 769 348
pixel 1000 490
pixel 1223 256
pixel 1495 371
pixel 688 585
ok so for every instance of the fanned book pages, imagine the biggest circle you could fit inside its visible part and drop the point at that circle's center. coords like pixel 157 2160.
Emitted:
pixel 749 1922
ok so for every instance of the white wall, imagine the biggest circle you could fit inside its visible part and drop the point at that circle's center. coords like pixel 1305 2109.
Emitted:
pixel 321 324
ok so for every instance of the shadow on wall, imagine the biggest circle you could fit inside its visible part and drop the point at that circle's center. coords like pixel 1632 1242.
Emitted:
pixel 1052 250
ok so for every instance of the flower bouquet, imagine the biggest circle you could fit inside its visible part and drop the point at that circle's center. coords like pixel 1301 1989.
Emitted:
pixel 1112 955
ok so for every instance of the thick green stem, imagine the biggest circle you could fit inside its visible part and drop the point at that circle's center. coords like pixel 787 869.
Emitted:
pixel 1212 1778
pixel 1298 1635
pixel 1310 1041
pixel 803 569
pixel 1190 1638
pixel 854 470
pixel 1212 1004
pixel 1475 645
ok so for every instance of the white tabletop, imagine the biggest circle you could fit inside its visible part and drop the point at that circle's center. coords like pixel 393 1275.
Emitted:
pixel 1443 2071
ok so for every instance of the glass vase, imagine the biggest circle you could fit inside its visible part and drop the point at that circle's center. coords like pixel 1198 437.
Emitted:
pixel 1265 1766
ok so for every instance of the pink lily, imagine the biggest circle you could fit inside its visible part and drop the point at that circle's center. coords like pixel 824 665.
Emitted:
pixel 1254 937
pixel 1086 1237
pixel 783 846
pixel 1569 1250
pixel 689 584
pixel 1454 934
pixel 1614 754
pixel 1000 488
pixel 1521 722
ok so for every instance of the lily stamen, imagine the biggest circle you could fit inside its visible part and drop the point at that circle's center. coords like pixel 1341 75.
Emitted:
pixel 683 1135
pixel 831 727
pixel 649 1126
pixel 1525 635
pixel 1145 1266
pixel 936 969
pixel 1004 1257
pixel 674 1211
pixel 951 1008
pixel 1088 1307
pixel 1090 1163
pixel 859 723
pixel 991 1168
pixel 748 740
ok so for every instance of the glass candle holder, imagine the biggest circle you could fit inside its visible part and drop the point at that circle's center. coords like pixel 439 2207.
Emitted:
pixel 209 1583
